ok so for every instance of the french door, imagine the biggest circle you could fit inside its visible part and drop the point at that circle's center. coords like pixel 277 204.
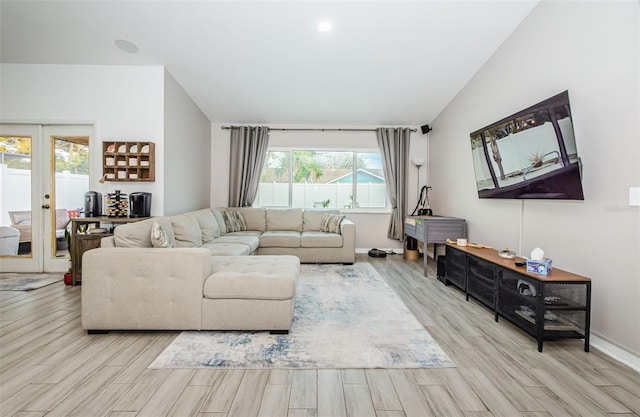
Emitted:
pixel 44 173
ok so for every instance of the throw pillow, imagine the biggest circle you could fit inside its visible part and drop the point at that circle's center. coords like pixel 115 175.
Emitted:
pixel 159 237
pixel 331 223
pixel 234 221
pixel 186 230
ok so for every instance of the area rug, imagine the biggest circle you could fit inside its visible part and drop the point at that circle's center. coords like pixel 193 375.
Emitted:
pixel 345 317
pixel 27 281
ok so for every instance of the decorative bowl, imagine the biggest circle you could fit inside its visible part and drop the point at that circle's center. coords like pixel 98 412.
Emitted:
pixel 507 254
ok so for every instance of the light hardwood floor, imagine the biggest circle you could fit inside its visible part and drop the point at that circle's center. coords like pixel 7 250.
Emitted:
pixel 50 366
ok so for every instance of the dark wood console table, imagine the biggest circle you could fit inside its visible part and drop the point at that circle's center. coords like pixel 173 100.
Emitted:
pixel 548 307
pixel 434 229
pixel 84 241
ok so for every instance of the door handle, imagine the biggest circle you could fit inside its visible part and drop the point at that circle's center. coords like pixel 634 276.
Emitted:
pixel 46 206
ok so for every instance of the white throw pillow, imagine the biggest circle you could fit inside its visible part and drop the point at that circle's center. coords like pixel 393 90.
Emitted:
pixel 186 230
pixel 208 225
pixel 160 238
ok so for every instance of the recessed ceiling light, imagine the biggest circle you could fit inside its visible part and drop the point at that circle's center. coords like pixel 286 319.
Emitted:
pixel 324 26
pixel 126 46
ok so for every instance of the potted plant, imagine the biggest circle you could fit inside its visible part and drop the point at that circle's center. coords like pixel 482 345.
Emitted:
pixel 535 159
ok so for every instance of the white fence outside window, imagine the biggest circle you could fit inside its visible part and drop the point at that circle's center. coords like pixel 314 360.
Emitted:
pixel 307 195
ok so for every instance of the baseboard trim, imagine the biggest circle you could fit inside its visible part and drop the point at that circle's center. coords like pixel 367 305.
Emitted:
pixel 616 352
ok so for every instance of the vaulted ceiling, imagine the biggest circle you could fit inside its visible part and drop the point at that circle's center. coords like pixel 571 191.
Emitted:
pixel 383 62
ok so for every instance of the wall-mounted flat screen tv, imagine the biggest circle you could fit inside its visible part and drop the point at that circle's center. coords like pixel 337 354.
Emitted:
pixel 529 155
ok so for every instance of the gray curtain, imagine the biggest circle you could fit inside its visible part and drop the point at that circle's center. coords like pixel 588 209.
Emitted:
pixel 394 147
pixel 248 152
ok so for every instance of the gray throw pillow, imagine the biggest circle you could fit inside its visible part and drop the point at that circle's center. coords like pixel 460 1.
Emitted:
pixel 234 221
pixel 331 223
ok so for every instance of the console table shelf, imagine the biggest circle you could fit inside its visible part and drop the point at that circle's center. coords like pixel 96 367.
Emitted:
pixel 562 299
pixel 434 229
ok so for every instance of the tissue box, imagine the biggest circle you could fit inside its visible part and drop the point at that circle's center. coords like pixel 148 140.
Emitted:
pixel 542 267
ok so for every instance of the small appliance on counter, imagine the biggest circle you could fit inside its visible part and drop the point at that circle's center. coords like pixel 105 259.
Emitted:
pixel 140 204
pixel 92 204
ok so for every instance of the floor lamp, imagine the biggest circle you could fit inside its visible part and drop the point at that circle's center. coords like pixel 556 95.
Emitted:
pixel 418 162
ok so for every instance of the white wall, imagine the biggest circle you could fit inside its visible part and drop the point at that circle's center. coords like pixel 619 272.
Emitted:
pixel 187 148
pixel 371 228
pixel 123 103
pixel 590 49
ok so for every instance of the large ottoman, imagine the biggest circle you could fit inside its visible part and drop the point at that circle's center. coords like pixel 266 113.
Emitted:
pixel 250 292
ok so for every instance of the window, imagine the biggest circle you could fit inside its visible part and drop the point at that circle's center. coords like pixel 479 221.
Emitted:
pixel 322 179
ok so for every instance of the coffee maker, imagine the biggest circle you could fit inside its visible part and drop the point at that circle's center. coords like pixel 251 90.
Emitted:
pixel 140 204
pixel 92 204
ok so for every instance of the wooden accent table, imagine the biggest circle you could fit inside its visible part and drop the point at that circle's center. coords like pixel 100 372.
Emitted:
pixel 82 242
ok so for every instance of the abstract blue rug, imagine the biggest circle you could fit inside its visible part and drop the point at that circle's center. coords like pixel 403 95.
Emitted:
pixel 345 317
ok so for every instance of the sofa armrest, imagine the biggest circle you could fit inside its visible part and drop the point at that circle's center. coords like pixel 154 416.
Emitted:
pixel 348 232
pixel 143 288
pixel 108 242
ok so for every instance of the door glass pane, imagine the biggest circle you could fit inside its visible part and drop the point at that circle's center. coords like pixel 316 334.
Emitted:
pixel 15 195
pixel 71 183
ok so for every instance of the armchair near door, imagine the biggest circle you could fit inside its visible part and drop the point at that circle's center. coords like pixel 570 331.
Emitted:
pixel 21 220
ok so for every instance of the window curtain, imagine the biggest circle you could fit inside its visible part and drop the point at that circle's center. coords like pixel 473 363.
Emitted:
pixel 394 147
pixel 248 152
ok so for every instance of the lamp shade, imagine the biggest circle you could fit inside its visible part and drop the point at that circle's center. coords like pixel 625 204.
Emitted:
pixel 418 162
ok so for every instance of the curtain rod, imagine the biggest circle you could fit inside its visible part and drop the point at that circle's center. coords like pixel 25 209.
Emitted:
pixel 314 129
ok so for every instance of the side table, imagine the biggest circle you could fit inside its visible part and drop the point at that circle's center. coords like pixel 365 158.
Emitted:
pixel 82 242
pixel 434 229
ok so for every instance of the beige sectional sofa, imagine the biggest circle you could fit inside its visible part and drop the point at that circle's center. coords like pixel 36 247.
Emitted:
pixel 186 289
pixel 191 272
pixel 268 232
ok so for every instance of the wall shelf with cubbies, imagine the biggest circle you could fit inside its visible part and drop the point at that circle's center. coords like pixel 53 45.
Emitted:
pixel 128 161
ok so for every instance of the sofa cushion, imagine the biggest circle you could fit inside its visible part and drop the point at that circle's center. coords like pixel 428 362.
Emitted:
pixel 320 240
pixel 255 217
pixel 311 218
pixel 280 239
pixel 138 234
pixel 208 225
pixel 284 219
pixel 160 237
pixel 251 241
pixel 234 221
pixel 217 213
pixel 259 278
pixel 331 223
pixel 186 230
pixel 227 249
